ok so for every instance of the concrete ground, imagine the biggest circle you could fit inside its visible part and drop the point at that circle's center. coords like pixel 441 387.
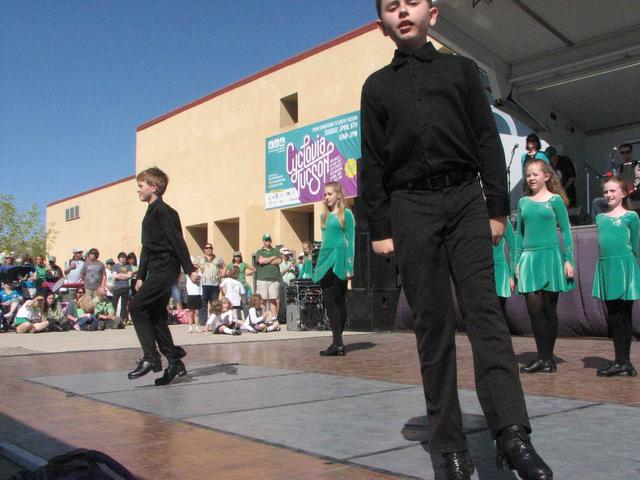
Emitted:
pixel 268 406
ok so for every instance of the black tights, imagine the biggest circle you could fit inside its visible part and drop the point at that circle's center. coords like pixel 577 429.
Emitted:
pixel 544 321
pixel 619 313
pixel 334 291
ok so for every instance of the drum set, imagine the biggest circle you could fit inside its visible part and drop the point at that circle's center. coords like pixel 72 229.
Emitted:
pixel 305 299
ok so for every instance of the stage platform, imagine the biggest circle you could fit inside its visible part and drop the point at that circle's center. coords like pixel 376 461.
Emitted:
pixel 277 410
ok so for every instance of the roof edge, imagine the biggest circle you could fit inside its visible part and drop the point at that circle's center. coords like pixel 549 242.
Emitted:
pixel 86 192
pixel 278 66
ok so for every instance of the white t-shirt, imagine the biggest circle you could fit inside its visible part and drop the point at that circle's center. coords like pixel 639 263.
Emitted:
pixel 256 316
pixel 74 274
pixel 192 288
pixel 233 290
pixel 225 318
pixel 27 311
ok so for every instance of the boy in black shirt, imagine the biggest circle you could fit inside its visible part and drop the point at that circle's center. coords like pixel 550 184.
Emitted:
pixel 428 133
pixel 163 253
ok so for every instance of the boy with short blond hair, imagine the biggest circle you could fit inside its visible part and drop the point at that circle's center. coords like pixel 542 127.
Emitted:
pixel 428 138
pixel 164 251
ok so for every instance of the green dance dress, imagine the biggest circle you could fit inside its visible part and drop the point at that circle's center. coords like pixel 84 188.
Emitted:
pixel 337 249
pixel 539 257
pixel 503 269
pixel 617 275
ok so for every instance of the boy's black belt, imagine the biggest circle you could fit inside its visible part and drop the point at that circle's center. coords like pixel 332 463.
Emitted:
pixel 439 182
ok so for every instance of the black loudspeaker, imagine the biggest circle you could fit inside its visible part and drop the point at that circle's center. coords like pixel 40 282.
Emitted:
pixel 372 309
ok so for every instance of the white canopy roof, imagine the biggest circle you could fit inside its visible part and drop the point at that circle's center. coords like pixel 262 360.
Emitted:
pixel 578 60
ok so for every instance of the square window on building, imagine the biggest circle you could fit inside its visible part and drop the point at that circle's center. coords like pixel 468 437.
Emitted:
pixel 71 213
pixel 289 110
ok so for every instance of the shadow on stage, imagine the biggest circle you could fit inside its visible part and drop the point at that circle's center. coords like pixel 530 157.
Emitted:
pixel 480 444
pixel 352 347
pixel 525 358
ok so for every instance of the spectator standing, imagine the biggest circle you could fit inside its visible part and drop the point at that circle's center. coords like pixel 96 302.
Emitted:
pixel 122 273
pixel 41 272
pixel 288 268
pixel 73 267
pixel 268 276
pixel 566 172
pixel 233 291
pixel 211 270
pixel 194 301
pixel 306 272
pixel 93 273
pixel 534 150
pixel 244 270
pixel 109 263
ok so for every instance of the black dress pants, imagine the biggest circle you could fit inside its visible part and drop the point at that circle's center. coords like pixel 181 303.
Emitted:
pixel 148 308
pixel 438 235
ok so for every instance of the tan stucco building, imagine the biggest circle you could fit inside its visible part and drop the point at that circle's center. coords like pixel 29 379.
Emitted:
pixel 213 150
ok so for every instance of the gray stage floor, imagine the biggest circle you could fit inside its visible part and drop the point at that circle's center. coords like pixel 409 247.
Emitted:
pixel 374 424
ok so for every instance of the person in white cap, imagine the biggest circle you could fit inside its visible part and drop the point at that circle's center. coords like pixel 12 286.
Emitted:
pixel 288 268
pixel 73 268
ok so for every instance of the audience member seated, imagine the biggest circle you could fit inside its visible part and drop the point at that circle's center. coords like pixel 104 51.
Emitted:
pixel 11 300
pixel 104 311
pixel 222 321
pixel 258 319
pixel 54 314
pixel 76 314
pixel 29 317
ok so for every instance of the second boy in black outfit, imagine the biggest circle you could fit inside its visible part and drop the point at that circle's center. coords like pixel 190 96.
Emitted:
pixel 428 134
pixel 163 253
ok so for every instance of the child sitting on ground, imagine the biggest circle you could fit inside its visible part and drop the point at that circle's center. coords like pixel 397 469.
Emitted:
pixel 221 319
pixel 29 317
pixel 258 319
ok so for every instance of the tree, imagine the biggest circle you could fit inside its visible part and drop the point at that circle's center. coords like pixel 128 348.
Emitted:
pixel 20 231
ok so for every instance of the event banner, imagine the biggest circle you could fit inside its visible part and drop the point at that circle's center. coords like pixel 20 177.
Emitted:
pixel 300 162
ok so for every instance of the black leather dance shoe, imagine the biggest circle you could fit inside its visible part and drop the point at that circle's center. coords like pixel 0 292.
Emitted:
pixel 144 367
pixel 334 351
pixel 544 366
pixel 174 369
pixel 618 370
pixel 457 466
pixel 514 451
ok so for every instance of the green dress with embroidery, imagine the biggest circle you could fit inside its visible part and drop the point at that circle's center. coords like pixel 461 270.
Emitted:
pixel 337 249
pixel 503 269
pixel 617 275
pixel 539 257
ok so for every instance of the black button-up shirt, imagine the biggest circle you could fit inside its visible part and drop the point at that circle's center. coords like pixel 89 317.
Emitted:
pixel 162 234
pixel 426 114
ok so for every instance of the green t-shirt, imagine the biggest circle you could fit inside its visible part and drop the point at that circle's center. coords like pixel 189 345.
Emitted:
pixel 270 271
pixel 104 308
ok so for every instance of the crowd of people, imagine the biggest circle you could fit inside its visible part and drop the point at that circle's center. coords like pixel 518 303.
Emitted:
pixel 87 294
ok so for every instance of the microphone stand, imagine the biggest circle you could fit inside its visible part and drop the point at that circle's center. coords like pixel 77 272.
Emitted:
pixel 513 152
pixel 589 169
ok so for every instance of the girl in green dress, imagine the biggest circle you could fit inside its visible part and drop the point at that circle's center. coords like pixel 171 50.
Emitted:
pixel 542 269
pixel 335 262
pixel 617 277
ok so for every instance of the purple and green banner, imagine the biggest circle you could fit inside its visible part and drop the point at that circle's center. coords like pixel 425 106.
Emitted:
pixel 300 162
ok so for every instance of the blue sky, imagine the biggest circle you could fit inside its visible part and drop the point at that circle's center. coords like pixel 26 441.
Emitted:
pixel 77 77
